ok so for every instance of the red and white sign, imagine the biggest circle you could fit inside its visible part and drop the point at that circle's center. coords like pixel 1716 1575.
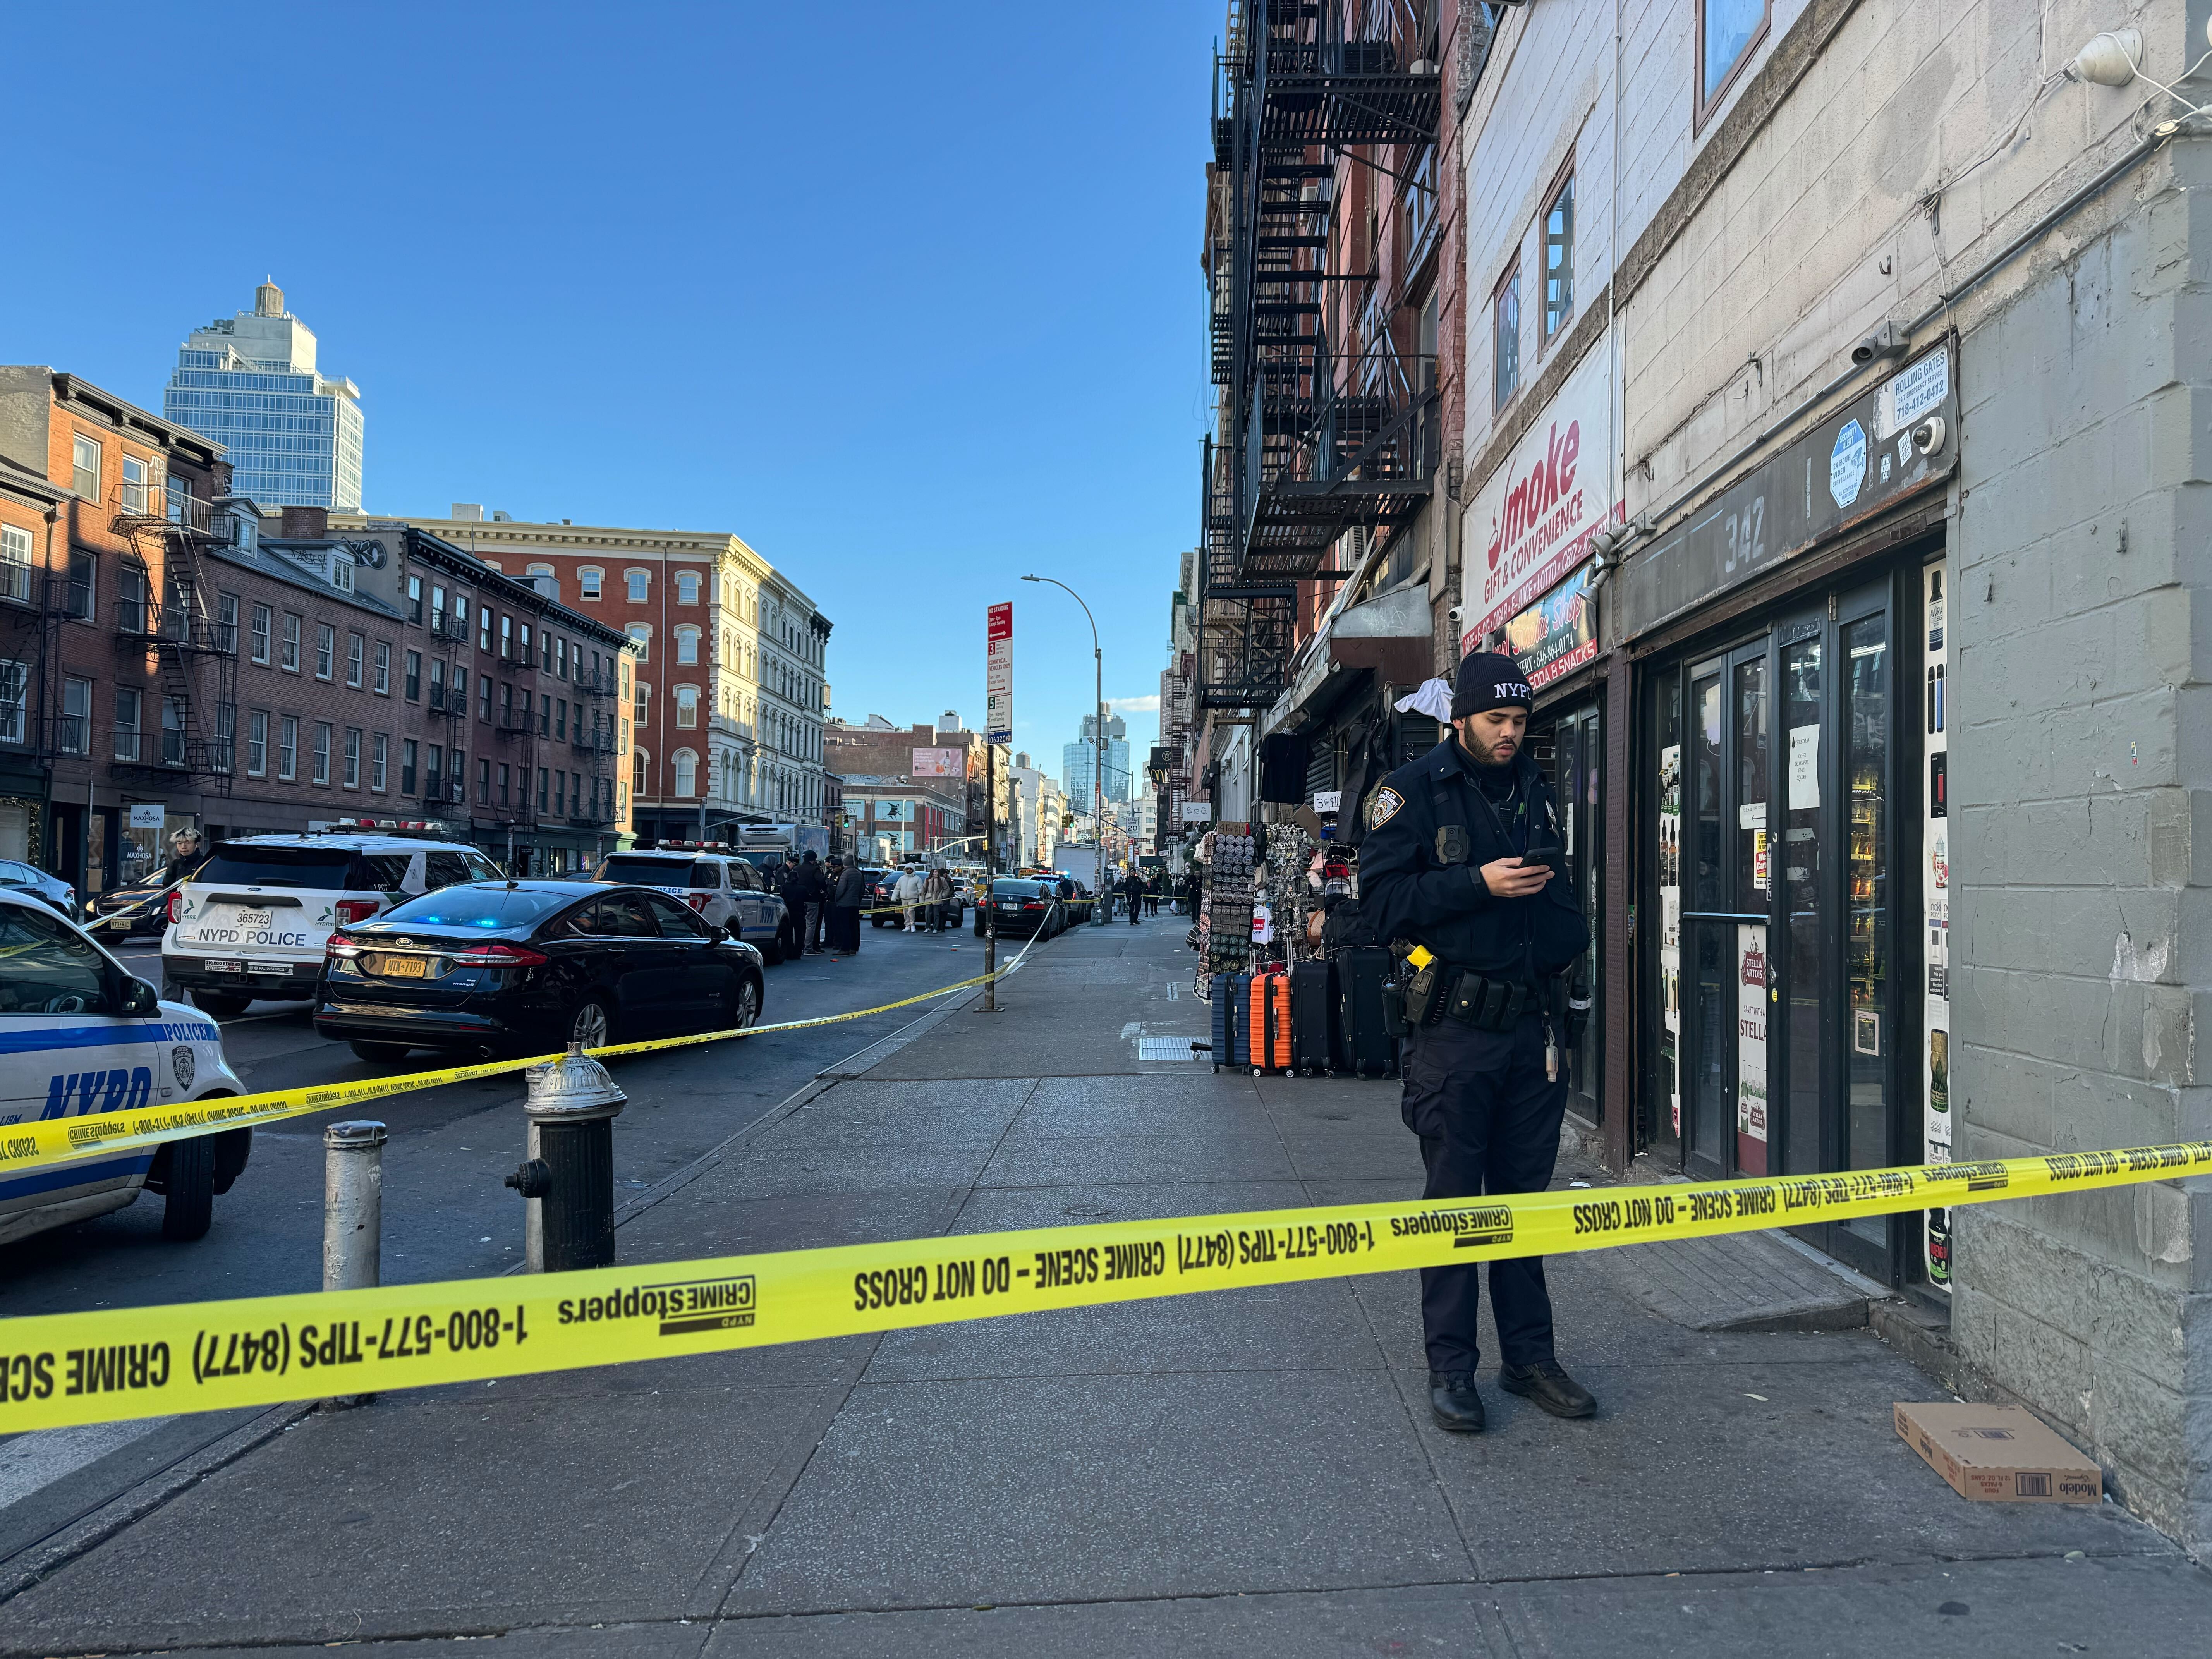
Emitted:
pixel 939 763
pixel 1533 519
pixel 999 677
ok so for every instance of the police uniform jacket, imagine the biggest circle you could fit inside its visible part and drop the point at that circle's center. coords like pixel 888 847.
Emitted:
pixel 1430 829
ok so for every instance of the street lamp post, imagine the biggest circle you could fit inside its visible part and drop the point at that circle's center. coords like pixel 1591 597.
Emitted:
pixel 1098 721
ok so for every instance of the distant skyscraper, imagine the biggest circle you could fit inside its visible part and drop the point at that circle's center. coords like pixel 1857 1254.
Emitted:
pixel 250 383
pixel 1077 758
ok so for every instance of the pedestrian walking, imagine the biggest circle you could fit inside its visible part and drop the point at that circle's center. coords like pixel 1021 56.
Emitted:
pixel 185 856
pixel 937 898
pixel 908 893
pixel 1133 889
pixel 845 898
pixel 1463 856
pixel 1152 883
pixel 811 891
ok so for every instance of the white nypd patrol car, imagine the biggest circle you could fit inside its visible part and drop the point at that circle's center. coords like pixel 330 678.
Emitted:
pixel 79 1036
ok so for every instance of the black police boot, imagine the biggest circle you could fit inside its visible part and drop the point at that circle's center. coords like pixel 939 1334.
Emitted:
pixel 1453 1402
pixel 1549 1387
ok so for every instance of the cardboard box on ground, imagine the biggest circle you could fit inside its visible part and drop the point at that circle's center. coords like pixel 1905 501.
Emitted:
pixel 1998 1454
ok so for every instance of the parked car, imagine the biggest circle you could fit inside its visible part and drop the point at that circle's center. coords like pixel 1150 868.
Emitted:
pixel 1020 905
pixel 524 967
pixel 85 1037
pixel 253 922
pixel 878 888
pixel 143 899
pixel 17 876
pixel 725 888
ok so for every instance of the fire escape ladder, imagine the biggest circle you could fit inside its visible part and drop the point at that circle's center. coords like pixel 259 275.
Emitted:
pixel 197 667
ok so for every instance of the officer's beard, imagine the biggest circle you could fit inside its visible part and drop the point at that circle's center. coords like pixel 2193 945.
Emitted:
pixel 1478 752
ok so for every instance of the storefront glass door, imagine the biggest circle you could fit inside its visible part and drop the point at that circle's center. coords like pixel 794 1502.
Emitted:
pixel 1776 787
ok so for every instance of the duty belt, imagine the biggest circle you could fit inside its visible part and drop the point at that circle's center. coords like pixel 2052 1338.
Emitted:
pixel 1487 1004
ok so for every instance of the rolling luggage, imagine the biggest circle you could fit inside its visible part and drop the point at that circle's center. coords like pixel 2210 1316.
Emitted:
pixel 1267 1046
pixel 1370 1050
pixel 1316 1047
pixel 1223 999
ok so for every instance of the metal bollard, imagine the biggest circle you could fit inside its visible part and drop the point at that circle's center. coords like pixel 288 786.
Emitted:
pixel 353 1213
pixel 567 1176
pixel 353 1205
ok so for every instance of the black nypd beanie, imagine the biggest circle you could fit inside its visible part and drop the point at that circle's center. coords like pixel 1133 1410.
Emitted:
pixel 1487 681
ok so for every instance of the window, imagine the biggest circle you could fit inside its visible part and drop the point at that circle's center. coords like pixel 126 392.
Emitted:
pixel 437 682
pixel 507 637
pixel 48 968
pixel 84 461
pixel 172 731
pixel 544 715
pixel 483 628
pixel 415 600
pixel 459 703
pixel 383 669
pixel 545 652
pixel 414 681
pixel 83 584
pixel 638 758
pixel 15 562
pixel 544 789
pixel 560 659
pixel 503 779
pixel 322 774
pixel 561 721
pixel 226 624
pixel 1726 32
pixel 342 573
pixel 287 747
pixel 640 704
pixel 687 645
pixel 687 705
pixel 458 778
pixel 326 645
pixel 484 696
pixel 1559 259
pixel 291 658
pixel 352 774
pixel 633 582
pixel 640 636
pixel 379 761
pixel 434 773
pixel 257 743
pixel 537 570
pixel 226 737
pixel 522 643
pixel 131 597
pixel 687 773
pixel 460 616
pixel 407 751
pixel 261 635
pixel 588 581
pixel 127 723
pixel 14 693
pixel 357 650
pixel 483 783
pixel 1505 338
pixel 438 610
pixel 687 588
pixel 73 731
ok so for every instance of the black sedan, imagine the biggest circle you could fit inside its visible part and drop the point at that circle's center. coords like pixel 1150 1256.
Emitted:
pixel 1019 904
pixel 523 967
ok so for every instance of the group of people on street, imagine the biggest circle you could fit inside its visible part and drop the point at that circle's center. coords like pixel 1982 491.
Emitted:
pixel 824 901
pixel 928 898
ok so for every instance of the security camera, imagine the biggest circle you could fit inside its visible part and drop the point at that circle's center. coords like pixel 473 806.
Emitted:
pixel 1884 342
pixel 1453 614
pixel 1928 436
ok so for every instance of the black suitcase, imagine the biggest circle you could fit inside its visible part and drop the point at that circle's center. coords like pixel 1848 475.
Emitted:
pixel 1225 1023
pixel 1370 1050
pixel 1240 1020
pixel 1317 1049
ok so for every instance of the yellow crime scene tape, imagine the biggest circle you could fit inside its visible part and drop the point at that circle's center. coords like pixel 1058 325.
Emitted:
pixel 59 1369
pixel 47 1141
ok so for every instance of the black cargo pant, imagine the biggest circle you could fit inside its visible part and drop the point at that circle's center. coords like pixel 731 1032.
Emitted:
pixel 1489 1122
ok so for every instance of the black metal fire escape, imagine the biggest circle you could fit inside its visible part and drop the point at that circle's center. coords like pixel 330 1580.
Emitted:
pixel 1318 436
pixel 190 735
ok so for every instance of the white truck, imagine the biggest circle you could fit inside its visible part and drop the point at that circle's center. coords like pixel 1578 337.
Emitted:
pixel 1086 862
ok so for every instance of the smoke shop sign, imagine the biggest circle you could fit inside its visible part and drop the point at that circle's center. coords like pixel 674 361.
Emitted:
pixel 1533 519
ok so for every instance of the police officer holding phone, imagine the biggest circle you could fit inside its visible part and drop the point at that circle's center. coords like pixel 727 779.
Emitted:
pixel 1462 868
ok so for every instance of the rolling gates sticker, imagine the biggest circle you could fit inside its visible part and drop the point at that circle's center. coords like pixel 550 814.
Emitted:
pixel 61 1368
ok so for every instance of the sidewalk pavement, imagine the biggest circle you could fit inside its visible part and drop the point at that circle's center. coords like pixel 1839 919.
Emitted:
pixel 1241 1472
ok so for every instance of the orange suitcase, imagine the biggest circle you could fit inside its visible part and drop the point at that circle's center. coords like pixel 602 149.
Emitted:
pixel 1270 1023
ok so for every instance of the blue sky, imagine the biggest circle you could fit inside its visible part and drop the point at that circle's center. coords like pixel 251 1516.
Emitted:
pixel 907 296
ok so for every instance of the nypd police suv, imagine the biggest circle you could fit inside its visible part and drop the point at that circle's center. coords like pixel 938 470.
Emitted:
pixel 80 1036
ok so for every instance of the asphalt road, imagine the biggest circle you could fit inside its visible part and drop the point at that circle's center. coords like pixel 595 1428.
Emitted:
pixel 446 1214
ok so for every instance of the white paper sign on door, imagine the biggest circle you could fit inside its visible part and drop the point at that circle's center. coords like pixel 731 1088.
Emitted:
pixel 1804 768
pixel 1751 1034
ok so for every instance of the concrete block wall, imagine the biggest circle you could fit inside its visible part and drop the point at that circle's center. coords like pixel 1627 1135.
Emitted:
pixel 2080 950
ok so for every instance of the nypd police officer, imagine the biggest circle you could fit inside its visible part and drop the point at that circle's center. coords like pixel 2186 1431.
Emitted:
pixel 1463 857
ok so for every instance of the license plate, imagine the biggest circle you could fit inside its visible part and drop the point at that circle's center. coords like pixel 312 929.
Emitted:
pixel 404 968
pixel 255 918
pixel 1008 904
pixel 215 967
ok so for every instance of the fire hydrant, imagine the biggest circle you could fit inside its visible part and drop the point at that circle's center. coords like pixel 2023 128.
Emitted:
pixel 567 1176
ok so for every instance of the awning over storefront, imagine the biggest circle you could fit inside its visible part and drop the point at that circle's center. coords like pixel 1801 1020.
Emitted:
pixel 1390 636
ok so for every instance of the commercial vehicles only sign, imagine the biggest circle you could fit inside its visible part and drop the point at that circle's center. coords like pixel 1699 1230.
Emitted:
pixel 999 674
